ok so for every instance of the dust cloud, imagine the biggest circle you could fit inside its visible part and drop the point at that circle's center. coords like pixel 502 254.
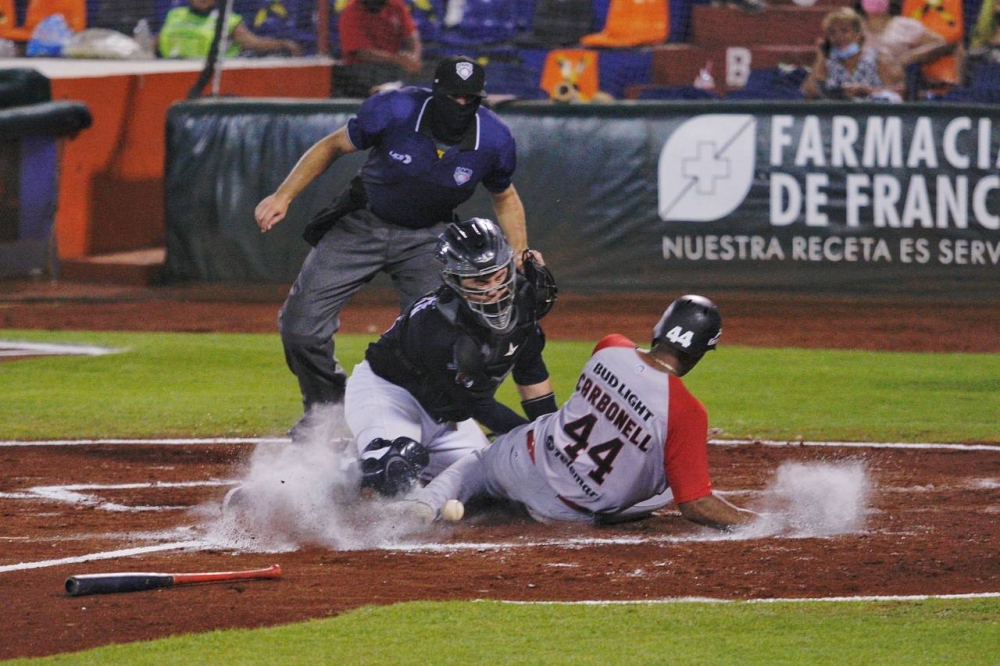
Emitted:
pixel 813 500
pixel 304 494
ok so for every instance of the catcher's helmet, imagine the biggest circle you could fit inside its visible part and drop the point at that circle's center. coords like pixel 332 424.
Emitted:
pixel 691 325
pixel 476 248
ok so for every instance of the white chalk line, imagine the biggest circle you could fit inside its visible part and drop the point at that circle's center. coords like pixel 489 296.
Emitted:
pixel 569 544
pixel 941 446
pixel 106 555
pixel 410 548
pixel 73 494
pixel 12 348
pixel 713 600
pixel 214 441
pixel 209 441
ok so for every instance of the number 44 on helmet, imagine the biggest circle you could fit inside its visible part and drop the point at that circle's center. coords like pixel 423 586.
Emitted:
pixel 692 326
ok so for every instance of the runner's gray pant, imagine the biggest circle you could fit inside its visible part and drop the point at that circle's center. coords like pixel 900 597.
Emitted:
pixel 359 246
pixel 506 470
pixel 503 470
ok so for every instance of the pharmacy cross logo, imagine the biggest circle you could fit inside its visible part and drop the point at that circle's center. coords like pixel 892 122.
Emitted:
pixel 706 167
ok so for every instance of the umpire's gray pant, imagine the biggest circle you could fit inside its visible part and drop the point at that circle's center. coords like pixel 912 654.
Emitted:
pixel 357 247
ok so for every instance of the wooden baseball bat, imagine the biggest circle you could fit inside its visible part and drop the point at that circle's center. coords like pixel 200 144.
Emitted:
pixel 108 583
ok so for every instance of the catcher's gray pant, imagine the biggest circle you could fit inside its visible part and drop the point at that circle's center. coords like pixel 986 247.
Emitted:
pixel 359 246
pixel 377 408
pixel 504 470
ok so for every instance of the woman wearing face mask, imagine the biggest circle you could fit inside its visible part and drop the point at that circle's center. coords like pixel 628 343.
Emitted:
pixel 846 67
pixel 901 39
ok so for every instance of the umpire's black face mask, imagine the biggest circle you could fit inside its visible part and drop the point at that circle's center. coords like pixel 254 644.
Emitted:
pixel 450 118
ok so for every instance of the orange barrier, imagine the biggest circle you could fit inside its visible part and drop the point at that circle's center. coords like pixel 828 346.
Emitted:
pixel 111 182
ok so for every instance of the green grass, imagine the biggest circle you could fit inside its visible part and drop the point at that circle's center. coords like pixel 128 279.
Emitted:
pixel 172 384
pixel 935 631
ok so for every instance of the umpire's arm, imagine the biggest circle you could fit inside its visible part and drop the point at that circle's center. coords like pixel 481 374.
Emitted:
pixel 317 159
pixel 510 214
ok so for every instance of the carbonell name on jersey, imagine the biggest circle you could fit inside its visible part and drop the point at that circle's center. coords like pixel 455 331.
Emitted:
pixel 620 417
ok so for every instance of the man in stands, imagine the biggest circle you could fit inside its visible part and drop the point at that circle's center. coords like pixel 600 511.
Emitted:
pixel 379 43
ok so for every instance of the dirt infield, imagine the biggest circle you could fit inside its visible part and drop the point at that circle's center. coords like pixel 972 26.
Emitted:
pixel 930 526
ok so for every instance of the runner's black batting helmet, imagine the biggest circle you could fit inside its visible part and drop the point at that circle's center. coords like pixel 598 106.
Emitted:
pixel 692 326
pixel 477 248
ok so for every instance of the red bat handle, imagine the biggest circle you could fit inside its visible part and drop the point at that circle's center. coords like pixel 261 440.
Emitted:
pixel 273 571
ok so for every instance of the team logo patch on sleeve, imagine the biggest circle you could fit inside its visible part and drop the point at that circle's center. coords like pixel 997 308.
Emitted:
pixel 462 175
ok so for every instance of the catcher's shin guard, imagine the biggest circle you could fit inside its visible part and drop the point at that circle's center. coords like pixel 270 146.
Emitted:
pixel 392 468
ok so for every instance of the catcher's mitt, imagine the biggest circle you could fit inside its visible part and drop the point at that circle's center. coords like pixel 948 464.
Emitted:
pixel 541 279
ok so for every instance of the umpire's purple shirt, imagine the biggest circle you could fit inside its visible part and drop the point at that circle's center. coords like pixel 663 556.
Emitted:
pixel 405 181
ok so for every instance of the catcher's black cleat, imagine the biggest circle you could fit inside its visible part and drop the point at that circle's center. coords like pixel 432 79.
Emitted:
pixel 392 468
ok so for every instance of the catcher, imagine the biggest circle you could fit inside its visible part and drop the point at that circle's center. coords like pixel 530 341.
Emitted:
pixel 413 404
pixel 629 440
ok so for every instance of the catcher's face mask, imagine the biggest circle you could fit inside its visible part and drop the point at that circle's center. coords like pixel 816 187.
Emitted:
pixel 491 295
pixel 478 265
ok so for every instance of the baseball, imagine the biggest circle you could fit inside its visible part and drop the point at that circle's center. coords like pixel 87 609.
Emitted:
pixel 452 511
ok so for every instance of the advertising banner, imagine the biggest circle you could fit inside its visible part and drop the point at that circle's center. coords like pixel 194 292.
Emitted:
pixel 914 194
pixel 846 197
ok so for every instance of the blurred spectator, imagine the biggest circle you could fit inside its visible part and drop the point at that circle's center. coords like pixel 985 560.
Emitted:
pixel 379 43
pixel 188 32
pixel 847 68
pixel 901 39
pixel 984 43
pixel 986 32
pixel 945 17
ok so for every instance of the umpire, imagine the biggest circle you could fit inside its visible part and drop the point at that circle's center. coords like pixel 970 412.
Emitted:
pixel 428 149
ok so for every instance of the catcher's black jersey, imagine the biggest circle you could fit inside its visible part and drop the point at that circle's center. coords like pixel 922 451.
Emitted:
pixel 452 364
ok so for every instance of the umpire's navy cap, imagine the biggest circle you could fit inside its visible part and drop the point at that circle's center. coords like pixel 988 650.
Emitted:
pixel 460 75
